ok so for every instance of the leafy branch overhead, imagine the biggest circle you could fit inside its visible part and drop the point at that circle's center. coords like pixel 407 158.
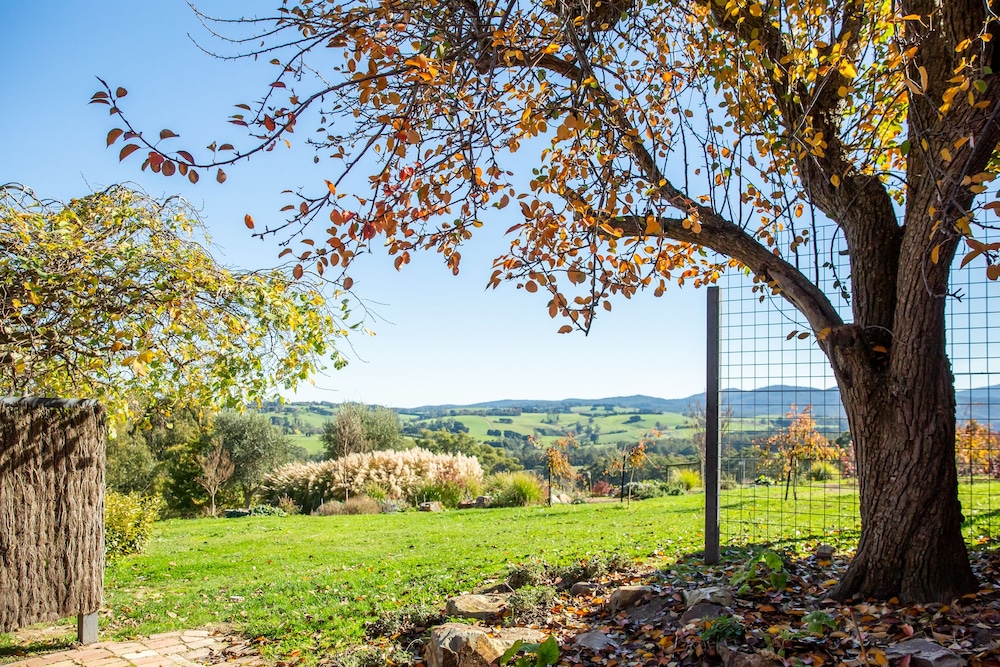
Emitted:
pixel 112 296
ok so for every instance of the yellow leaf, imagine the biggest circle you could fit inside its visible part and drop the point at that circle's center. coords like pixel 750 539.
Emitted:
pixel 946 155
pixel 835 179
pixel 755 10
pixel 847 69
pixel 934 253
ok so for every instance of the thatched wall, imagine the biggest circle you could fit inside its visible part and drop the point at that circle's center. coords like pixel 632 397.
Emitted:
pixel 51 509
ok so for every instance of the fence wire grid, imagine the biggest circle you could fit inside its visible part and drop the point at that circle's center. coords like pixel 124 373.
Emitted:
pixel 772 380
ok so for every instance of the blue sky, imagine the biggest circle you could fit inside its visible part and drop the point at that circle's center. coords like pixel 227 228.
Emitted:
pixel 440 339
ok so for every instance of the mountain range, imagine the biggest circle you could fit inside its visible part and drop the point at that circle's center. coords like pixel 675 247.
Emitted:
pixel 773 400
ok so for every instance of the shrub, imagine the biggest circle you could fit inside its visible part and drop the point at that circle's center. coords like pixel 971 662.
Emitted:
pixel 128 522
pixel 602 489
pixel 287 505
pixel 690 479
pixel 728 482
pixel 267 510
pixel 331 508
pixel 653 489
pixel 529 573
pixel 593 567
pixel 515 489
pixel 448 492
pixel 529 603
pixel 822 471
pixel 360 505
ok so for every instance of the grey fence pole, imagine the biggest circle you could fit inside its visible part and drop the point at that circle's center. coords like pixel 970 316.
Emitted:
pixel 712 458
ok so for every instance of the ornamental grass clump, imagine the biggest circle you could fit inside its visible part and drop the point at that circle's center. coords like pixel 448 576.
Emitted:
pixel 397 474
pixel 515 489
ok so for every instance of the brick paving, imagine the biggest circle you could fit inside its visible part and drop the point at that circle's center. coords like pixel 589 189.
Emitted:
pixel 183 648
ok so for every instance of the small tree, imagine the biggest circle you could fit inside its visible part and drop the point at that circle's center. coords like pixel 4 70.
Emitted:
pixel 216 469
pixel 797 442
pixel 360 428
pixel 557 462
pixel 255 448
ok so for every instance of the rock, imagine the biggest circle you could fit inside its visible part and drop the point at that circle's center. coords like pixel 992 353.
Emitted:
pixel 825 551
pixel 460 645
pixel 481 607
pixel 731 658
pixel 582 588
pixel 714 594
pixel 564 498
pixel 652 613
pixel 627 596
pixel 925 653
pixel 432 506
pixel 481 502
pixel 700 611
pixel 595 641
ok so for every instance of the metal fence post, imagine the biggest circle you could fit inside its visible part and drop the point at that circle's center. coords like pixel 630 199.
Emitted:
pixel 712 458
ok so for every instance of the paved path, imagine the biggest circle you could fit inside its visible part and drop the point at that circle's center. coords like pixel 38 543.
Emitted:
pixel 185 648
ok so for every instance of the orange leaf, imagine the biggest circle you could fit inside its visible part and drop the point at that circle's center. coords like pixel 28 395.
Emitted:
pixel 167 134
pixel 193 176
pixel 220 176
pixel 297 271
pixel 348 282
pixel 169 168
pixel 121 92
pixel 127 150
pixel 248 221
pixel 114 134
pixel 530 286
pixel 286 251
pixel 331 187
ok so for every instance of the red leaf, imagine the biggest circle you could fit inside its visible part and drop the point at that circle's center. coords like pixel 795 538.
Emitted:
pixel 99 95
pixel 348 282
pixel 220 176
pixel 243 106
pixel 127 150
pixel 226 147
pixel 269 123
pixel 278 84
pixel 193 176
pixel 114 134
pixel 169 168
pixel 167 134
pixel 187 156
pixel 248 221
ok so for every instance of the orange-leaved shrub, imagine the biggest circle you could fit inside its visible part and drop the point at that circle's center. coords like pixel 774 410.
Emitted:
pixel 398 473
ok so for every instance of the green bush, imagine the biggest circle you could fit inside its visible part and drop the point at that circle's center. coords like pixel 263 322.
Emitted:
pixel 128 522
pixel 531 572
pixel 822 471
pixel 728 482
pixel 267 510
pixel 330 508
pixel 690 479
pixel 529 604
pixel 447 492
pixel 515 489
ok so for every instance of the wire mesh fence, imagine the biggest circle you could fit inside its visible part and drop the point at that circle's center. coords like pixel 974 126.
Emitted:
pixel 772 373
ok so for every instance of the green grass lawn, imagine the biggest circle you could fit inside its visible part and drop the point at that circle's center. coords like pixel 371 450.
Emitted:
pixel 310 583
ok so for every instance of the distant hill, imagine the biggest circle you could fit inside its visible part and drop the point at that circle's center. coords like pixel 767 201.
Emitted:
pixel 773 400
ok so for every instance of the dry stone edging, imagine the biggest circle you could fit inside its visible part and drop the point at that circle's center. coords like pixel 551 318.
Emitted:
pixel 462 645
pixel 476 606
pixel 925 653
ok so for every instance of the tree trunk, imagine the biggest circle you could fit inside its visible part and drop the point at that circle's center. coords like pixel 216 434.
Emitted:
pixel 902 420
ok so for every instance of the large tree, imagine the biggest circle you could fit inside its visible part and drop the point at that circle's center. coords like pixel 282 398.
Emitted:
pixel 116 296
pixel 660 128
